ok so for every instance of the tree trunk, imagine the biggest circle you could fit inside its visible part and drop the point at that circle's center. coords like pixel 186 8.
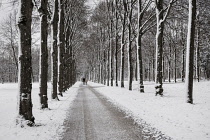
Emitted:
pixel 43 69
pixel 108 69
pixel 198 50
pixel 61 47
pixel 130 70
pixel 111 55
pixel 116 44
pixel 183 53
pixel 159 48
pixel 183 64
pixel 163 69
pixel 139 48
pixel 104 63
pixel 197 60
pixel 122 51
pixel 190 51
pixel 153 66
pixel 71 65
pixel 149 71
pixel 67 60
pixel 169 64
pixel 25 66
pixel 175 57
pixel 136 69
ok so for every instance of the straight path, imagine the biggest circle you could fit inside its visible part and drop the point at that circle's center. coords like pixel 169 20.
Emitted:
pixel 92 117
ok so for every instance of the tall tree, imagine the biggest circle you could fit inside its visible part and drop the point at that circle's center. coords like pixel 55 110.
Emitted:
pixel 111 41
pixel 116 41
pixel 61 40
pixel 130 69
pixel 54 52
pixel 198 43
pixel 110 50
pixel 123 43
pixel 140 32
pixel 25 67
pixel 43 69
pixel 139 52
pixel 190 51
pixel 142 27
pixel 161 18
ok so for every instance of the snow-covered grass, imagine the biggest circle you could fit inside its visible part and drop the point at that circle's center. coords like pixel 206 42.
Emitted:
pixel 49 122
pixel 169 114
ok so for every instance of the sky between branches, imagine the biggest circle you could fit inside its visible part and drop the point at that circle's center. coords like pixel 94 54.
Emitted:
pixel 6 8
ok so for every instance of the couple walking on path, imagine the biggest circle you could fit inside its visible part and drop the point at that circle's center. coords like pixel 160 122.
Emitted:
pixel 84 81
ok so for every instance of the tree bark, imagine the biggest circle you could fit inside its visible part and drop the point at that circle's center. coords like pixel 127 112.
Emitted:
pixel 25 66
pixel 116 43
pixel 108 69
pixel 163 69
pixel 159 48
pixel 104 63
pixel 149 71
pixel 175 57
pixel 183 64
pixel 111 13
pixel 139 48
pixel 123 50
pixel 136 70
pixel 159 43
pixel 43 60
pixel 61 47
pixel 169 64
pixel 71 65
pixel 198 49
pixel 190 51
pixel 67 59
pixel 130 70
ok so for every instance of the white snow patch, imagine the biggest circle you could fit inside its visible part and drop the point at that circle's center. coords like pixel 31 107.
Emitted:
pixel 49 121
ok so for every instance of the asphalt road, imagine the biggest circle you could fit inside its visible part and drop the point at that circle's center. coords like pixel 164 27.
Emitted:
pixel 92 117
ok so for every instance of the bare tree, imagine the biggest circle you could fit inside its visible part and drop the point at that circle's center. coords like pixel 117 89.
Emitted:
pixel 142 27
pixel 61 40
pixel 25 67
pixel 110 13
pixel 161 18
pixel 43 55
pixel 190 51
pixel 116 40
pixel 124 16
pixel 54 51
pixel 129 10
pixel 198 43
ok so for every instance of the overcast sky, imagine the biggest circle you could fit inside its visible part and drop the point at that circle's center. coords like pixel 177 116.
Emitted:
pixel 6 8
pixel 92 3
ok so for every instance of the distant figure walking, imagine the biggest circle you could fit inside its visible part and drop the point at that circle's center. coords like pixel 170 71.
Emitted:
pixel 84 81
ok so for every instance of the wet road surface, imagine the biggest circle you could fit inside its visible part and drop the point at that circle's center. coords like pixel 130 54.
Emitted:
pixel 92 117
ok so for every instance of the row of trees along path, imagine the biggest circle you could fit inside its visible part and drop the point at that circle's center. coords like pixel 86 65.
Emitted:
pixel 67 18
pixel 90 43
pixel 130 24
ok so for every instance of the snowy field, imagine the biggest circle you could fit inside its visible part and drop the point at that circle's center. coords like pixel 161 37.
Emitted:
pixel 49 122
pixel 169 114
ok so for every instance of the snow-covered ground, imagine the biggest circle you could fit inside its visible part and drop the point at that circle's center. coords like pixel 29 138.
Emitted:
pixel 49 122
pixel 169 114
